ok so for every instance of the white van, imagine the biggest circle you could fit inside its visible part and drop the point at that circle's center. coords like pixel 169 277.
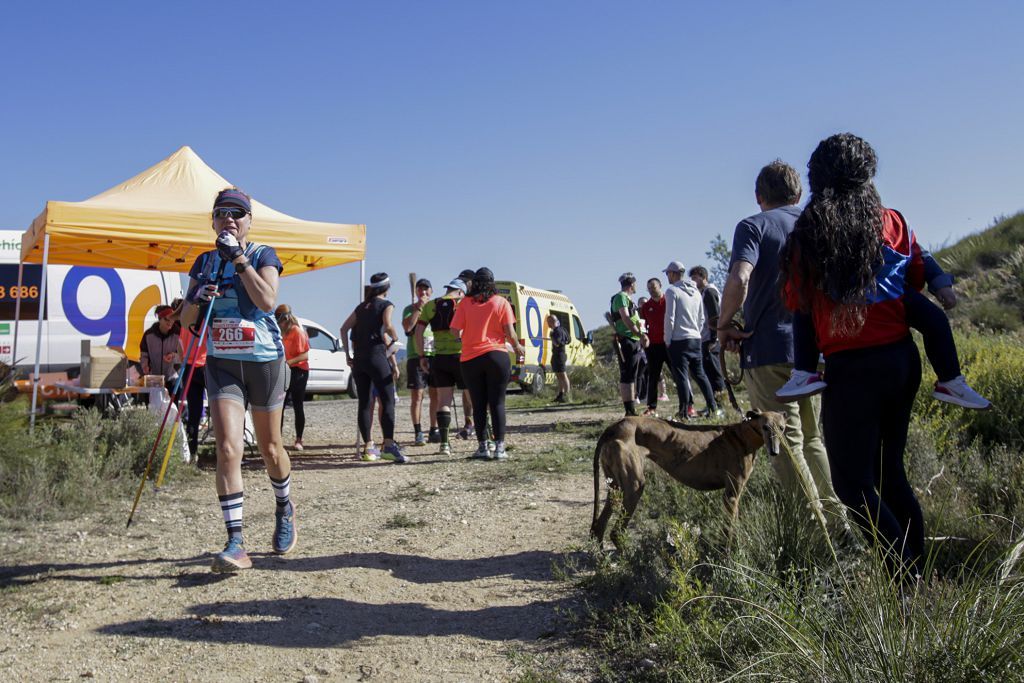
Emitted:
pixel 110 307
pixel 328 365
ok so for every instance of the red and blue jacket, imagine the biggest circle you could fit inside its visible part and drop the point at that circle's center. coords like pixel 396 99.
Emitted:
pixel 885 320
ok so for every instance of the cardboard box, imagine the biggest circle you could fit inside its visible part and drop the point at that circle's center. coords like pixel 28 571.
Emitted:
pixel 152 380
pixel 103 367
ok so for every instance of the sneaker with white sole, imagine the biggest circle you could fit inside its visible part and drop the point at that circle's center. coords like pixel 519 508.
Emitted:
pixel 958 392
pixel 421 439
pixel 801 384
pixel 481 452
pixel 370 453
pixel 499 451
pixel 445 449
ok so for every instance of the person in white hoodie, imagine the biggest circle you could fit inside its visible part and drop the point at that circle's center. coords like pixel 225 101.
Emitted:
pixel 684 319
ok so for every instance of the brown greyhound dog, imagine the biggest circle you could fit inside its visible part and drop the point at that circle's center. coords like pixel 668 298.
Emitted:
pixel 704 457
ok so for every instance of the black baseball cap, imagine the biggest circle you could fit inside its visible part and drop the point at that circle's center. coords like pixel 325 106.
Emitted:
pixel 424 282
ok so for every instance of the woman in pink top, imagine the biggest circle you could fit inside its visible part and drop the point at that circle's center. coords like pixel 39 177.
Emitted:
pixel 485 320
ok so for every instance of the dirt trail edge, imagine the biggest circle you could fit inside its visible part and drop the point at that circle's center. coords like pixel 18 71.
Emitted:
pixel 440 570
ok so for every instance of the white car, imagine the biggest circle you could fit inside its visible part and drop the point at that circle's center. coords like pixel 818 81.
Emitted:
pixel 328 366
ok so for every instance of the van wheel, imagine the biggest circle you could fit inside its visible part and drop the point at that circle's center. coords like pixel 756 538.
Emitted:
pixel 537 385
pixel 351 389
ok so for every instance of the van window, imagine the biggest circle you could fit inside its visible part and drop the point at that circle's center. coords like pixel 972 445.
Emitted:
pixel 318 340
pixel 563 319
pixel 29 292
pixel 577 328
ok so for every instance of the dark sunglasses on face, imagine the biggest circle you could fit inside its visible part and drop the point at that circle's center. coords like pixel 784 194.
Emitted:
pixel 237 214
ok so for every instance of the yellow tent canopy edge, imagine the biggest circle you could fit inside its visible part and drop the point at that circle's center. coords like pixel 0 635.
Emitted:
pixel 160 220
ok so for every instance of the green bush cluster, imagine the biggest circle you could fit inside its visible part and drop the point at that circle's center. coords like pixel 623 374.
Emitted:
pixel 781 599
pixel 65 468
pixel 986 249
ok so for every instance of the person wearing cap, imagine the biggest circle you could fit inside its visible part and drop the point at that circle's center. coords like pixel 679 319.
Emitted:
pixel 444 367
pixel 416 378
pixel 709 345
pixel 628 337
pixel 296 353
pixel 483 322
pixel 766 344
pixel 684 318
pixel 244 365
pixel 159 350
pixel 373 335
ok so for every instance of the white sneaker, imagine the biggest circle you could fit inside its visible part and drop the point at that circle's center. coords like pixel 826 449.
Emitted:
pixel 481 452
pixel 957 392
pixel 444 449
pixel 801 384
pixel 499 451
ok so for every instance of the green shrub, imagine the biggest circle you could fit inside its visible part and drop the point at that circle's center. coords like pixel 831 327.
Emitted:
pixel 995 316
pixel 64 469
pixel 596 383
pixel 986 249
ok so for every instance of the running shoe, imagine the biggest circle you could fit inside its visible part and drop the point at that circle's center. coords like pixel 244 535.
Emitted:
pixel 445 449
pixel 467 432
pixel 801 384
pixel 370 453
pixel 663 397
pixel 232 558
pixel 958 392
pixel 434 436
pixel 395 452
pixel 681 416
pixel 499 451
pixel 421 439
pixel 481 452
pixel 651 411
pixel 285 530
pixel 297 446
pixel 690 412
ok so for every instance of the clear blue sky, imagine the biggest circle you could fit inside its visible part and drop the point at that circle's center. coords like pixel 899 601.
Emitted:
pixel 559 143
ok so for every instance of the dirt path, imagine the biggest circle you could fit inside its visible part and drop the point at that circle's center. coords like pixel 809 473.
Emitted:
pixel 440 570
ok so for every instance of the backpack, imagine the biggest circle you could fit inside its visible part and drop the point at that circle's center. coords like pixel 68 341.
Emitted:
pixel 444 311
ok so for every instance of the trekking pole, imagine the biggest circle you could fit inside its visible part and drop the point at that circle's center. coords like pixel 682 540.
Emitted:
pixel 180 405
pixel 163 423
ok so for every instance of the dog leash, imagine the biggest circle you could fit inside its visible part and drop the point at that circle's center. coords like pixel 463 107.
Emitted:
pixel 729 381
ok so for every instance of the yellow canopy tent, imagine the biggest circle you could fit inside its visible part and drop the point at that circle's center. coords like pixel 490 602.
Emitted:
pixel 161 220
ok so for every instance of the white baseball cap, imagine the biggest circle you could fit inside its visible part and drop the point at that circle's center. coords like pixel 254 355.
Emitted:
pixel 675 267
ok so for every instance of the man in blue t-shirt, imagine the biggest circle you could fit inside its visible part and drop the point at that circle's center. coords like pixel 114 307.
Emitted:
pixel 766 342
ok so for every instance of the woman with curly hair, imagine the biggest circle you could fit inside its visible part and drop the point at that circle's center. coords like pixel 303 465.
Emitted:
pixel 848 264
pixel 484 321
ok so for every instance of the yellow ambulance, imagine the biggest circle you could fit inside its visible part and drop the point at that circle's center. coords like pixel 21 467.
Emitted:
pixel 531 307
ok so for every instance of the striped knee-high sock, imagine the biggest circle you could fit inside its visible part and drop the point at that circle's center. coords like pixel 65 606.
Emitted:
pixel 231 508
pixel 282 490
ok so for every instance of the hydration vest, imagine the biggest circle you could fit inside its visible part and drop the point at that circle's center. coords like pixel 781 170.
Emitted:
pixel 444 311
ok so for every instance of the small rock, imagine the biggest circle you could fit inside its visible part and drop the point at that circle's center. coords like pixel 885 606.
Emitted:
pixel 310 679
pixel 87 674
pixel 647 664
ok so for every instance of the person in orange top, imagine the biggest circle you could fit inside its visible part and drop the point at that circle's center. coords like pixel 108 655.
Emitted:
pixel 484 321
pixel 196 387
pixel 296 353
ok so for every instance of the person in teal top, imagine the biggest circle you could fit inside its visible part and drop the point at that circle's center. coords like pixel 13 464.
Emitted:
pixel 418 379
pixel 244 366
pixel 629 338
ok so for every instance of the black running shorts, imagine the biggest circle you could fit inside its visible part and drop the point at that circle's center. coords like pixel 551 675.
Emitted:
pixel 558 361
pixel 446 371
pixel 260 384
pixel 415 378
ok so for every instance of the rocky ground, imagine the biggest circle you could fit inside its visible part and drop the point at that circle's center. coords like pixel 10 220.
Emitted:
pixel 444 569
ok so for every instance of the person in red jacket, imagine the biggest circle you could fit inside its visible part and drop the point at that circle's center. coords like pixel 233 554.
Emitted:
pixel 847 264
pixel 653 313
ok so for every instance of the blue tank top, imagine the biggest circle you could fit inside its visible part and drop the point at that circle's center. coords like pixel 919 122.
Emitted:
pixel 239 330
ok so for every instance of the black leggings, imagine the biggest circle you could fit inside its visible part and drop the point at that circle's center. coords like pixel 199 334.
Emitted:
pixel 657 358
pixel 297 390
pixel 486 377
pixel 375 371
pixel 194 401
pixel 922 315
pixel 865 414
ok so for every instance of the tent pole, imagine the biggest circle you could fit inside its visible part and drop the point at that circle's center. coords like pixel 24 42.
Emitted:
pixel 359 297
pixel 39 332
pixel 17 313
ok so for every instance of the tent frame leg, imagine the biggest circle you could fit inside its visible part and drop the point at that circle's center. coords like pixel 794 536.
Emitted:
pixel 39 333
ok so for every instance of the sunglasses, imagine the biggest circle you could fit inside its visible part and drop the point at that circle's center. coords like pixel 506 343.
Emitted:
pixel 237 214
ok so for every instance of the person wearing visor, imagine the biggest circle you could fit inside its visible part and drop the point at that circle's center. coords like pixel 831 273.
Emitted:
pixel 244 366
pixel 444 367
pixel 371 365
pixel 296 353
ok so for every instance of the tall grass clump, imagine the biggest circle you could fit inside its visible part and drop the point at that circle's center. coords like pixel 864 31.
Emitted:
pixel 985 249
pixel 66 468
pixel 782 599
pixel 595 383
